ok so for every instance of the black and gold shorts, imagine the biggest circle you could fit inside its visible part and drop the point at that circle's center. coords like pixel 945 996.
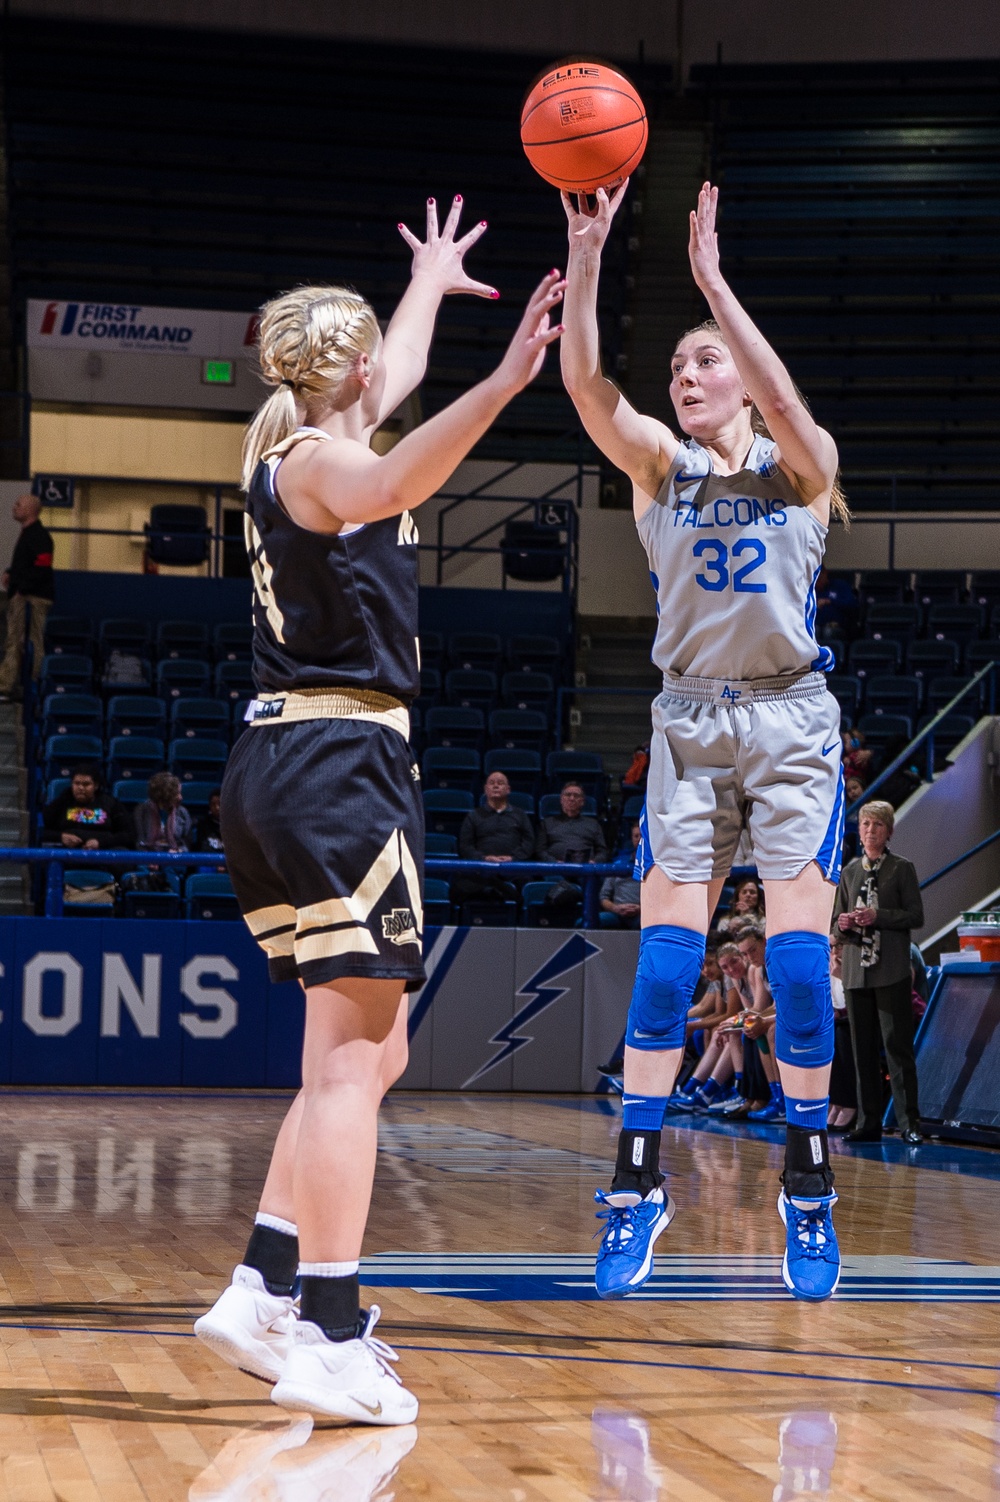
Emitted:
pixel 323 829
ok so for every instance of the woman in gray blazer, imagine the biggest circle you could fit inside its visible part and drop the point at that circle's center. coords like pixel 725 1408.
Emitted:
pixel 877 905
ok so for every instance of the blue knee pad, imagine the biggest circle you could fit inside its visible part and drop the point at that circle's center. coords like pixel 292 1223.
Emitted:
pixel 798 972
pixel 670 961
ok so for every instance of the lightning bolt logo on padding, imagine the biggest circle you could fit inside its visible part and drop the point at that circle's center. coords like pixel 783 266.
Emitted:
pixel 542 993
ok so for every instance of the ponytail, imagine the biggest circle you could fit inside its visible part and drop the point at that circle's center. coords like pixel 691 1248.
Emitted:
pixel 309 341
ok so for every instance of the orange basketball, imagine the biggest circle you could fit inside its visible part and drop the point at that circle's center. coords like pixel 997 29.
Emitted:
pixel 583 127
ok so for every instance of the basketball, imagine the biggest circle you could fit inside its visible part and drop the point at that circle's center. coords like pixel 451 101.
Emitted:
pixel 583 127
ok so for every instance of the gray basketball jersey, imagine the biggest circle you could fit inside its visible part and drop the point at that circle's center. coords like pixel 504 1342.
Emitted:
pixel 734 561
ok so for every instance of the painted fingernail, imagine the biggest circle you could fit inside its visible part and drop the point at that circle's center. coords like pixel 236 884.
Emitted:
pixel 399 226
pixel 554 271
pixel 482 224
pixel 458 198
pixel 494 294
pixel 430 200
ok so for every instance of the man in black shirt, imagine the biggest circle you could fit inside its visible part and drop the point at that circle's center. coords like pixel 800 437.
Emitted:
pixel 497 832
pixel 571 835
pixel 29 583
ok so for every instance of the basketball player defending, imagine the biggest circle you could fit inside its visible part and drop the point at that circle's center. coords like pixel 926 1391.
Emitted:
pixel 321 812
pixel 734 520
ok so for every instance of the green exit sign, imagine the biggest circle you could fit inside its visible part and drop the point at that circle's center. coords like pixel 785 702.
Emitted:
pixel 218 372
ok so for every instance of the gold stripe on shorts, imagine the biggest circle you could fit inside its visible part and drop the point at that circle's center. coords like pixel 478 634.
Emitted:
pixel 330 704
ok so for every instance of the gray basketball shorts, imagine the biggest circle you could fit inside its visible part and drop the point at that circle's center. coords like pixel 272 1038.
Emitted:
pixel 763 756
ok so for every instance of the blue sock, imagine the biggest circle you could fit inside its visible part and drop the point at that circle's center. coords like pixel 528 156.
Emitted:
pixel 737 1084
pixel 644 1113
pixel 689 1086
pixel 711 1088
pixel 776 1090
pixel 810 1115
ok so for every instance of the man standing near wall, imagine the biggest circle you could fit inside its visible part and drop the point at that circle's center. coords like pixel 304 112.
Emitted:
pixel 29 582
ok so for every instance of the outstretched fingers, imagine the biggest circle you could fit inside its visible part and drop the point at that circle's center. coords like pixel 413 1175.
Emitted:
pixel 409 237
pixel 454 214
pixel 432 221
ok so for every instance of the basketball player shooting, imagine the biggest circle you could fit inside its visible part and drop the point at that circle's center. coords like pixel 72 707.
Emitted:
pixel 734 518
pixel 321 811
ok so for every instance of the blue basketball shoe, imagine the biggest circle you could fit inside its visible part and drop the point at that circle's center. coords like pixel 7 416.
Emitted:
pixel 811 1265
pixel 625 1259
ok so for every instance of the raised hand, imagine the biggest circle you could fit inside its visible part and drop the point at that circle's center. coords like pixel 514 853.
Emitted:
pixel 526 351
pixel 703 242
pixel 588 231
pixel 441 255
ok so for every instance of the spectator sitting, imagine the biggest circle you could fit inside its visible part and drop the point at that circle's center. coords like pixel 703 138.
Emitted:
pixel 747 903
pixel 634 780
pixel 759 1027
pixel 162 822
pixel 857 757
pixel 571 835
pixel 208 830
pixel 84 817
pixel 29 583
pixel 620 896
pixel 498 832
pixel 708 1087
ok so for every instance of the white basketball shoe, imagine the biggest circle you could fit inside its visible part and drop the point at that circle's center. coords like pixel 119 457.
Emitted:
pixel 343 1381
pixel 249 1327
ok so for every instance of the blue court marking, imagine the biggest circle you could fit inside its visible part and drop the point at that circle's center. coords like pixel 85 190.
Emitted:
pixel 559 1278
pixel 694 1366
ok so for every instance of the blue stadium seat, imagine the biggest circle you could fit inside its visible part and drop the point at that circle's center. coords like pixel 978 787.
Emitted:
pixel 65 673
pixel 124 634
pixel 233 641
pixel 518 730
pixel 82 882
pixel 898 623
pixel 528 690
pixel 584 767
pixel 440 844
pixel 135 756
pixel 984 590
pixel 197 759
pixel 178 535
pixel 209 895
pixel 952 729
pixel 181 677
pixel 882 587
pixel 55 789
pixel 931 659
pixel 131 793
pixel 632 807
pixel 238 710
pixel 941 691
pixel 455 727
pixel 437 903
pixel 136 714
pixel 549 806
pixel 878 729
pixel 471 688
pixel 431 649
pixel 873 658
pixel 846 689
pixel 151 904
pixel 959 623
pixel 522 769
pixel 474 649
pixel 938 587
pixel 233 680
pixel 181 639
pixel 196 795
pixel 895 695
pixel 536 654
pixel 194 717
pixel 444 810
pixel 979 653
pixel 538 915
pixel 63 752
pixel 72 714
pixel 68 633
pixel 519 800
pixel 451 767
pixel 430 687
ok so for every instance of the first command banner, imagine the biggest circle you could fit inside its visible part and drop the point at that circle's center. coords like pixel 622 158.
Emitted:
pixel 130 328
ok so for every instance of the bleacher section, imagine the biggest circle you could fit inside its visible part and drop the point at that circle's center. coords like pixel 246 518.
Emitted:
pixel 859 224
pixel 144 166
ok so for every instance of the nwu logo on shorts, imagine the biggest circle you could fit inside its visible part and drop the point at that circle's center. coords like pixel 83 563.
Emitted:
pixel 399 927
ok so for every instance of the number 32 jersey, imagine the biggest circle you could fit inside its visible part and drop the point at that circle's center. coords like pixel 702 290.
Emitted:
pixel 734 561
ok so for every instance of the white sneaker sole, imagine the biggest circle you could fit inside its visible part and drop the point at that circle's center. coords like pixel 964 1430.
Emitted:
pixel 786 1276
pixel 329 1407
pixel 232 1345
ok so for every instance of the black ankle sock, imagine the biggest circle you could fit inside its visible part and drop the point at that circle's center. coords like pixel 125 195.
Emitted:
pixel 275 1255
pixel 333 1304
pixel 807 1174
pixel 637 1164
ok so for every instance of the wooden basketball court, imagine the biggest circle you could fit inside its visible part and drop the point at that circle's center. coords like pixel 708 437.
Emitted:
pixel 123 1215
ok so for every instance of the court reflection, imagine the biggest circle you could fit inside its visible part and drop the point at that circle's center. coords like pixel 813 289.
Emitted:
pixel 626 1464
pixel 295 1463
pixel 807 1452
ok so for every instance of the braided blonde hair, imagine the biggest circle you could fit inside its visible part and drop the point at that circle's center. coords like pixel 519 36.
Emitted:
pixel 309 340
pixel 838 500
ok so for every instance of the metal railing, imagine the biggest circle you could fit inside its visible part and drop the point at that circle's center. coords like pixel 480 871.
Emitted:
pixel 54 858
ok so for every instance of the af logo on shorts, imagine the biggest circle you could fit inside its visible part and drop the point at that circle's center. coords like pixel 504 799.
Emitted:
pixel 399 927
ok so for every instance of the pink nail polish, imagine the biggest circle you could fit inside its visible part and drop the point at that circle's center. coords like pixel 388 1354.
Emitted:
pixel 399 226
pixel 458 198
pixel 482 223
pixel 494 294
